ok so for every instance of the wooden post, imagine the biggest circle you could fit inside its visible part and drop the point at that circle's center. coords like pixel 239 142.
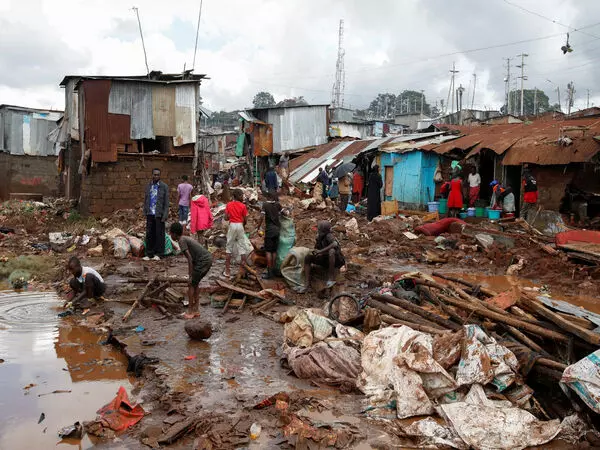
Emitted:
pixel 138 300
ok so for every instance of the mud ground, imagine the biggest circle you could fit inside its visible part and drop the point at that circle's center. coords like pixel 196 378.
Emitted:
pixel 239 365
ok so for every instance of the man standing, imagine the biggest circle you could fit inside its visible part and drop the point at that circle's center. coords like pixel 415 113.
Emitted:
pixel 156 210
pixel 184 190
pixel 474 186
pixel 237 241
pixel 374 194
pixel 271 216
pixel 271 183
pixel 530 193
pixel 344 187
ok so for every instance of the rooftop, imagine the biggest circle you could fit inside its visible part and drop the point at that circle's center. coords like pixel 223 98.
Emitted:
pixel 28 109
pixel 152 77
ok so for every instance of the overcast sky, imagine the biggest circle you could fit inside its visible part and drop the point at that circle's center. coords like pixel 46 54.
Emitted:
pixel 289 47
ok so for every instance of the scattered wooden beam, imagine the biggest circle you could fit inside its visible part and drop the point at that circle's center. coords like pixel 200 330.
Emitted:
pixel 415 326
pixel 162 279
pixel 535 305
pixel 405 304
pixel 138 300
pixel 505 319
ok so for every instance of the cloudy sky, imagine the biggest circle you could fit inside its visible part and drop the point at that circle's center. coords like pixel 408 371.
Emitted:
pixel 289 47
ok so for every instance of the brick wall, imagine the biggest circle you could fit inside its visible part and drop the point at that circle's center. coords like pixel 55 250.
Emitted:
pixel 120 185
pixel 29 174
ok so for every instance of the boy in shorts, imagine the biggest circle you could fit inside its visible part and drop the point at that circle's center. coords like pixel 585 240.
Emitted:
pixel 199 263
pixel 237 215
pixel 271 211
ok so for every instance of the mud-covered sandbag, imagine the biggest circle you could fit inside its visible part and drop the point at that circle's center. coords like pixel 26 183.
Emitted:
pixel 121 247
pixel 292 267
pixel 287 239
pixel 137 246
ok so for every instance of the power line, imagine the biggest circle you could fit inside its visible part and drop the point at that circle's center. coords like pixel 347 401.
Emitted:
pixel 548 18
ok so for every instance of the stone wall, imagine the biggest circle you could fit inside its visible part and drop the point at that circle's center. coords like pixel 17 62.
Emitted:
pixel 120 185
pixel 28 174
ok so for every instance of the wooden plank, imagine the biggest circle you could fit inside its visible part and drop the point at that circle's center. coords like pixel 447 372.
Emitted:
pixel 405 304
pixel 505 318
pixel 534 304
pixel 415 326
pixel 138 300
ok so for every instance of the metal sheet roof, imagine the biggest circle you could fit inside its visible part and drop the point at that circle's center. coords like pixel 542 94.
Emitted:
pixel 309 171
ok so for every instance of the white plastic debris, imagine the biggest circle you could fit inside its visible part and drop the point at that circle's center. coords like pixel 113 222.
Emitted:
pixel 485 240
pixel 584 378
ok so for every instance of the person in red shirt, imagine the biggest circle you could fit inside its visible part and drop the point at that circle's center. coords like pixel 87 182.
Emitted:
pixel 530 194
pixel 237 241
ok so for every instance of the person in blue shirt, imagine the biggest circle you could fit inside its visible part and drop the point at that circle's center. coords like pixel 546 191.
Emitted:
pixel 156 210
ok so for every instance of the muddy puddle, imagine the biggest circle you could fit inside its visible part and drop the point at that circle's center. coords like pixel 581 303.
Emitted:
pixel 43 354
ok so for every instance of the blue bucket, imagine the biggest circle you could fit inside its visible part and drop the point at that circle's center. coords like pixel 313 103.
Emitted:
pixel 433 206
pixel 493 214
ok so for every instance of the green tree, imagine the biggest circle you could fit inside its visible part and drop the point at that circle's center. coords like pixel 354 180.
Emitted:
pixel 410 101
pixel 532 102
pixel 293 101
pixel 383 106
pixel 263 100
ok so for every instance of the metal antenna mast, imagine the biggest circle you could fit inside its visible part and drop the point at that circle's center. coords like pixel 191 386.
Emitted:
pixel 337 96
pixel 142 36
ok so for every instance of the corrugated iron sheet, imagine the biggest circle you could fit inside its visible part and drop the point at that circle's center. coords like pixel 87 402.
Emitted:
pixel 309 171
pixel 163 110
pixel 105 133
pixel 298 127
pixel 13 132
pixel 185 121
pixel 135 100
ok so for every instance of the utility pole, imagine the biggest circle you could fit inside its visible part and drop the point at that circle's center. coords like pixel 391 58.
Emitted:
pixel 423 96
pixel 474 86
pixel 522 77
pixel 507 85
pixel 587 105
pixel 558 94
pixel 451 90
pixel 459 96
pixel 535 101
pixel 142 36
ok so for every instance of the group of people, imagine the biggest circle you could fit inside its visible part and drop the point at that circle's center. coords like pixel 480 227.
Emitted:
pixel 502 195
pixel 350 186
pixel 87 283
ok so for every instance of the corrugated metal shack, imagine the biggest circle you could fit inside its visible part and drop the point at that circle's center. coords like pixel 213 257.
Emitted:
pixel 406 168
pixel 562 153
pixel 295 126
pixel 27 155
pixel 355 129
pixel 117 119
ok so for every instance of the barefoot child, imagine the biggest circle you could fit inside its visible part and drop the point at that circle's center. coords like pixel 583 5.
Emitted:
pixel 199 263
pixel 86 283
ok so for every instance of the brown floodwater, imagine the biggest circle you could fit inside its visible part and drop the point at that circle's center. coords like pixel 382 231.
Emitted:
pixel 42 354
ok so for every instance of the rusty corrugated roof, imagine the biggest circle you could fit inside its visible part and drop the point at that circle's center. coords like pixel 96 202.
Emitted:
pixel 533 142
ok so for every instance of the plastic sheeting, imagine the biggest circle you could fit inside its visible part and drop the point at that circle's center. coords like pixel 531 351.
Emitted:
pixel 584 378
pixel 486 424
pixel 399 368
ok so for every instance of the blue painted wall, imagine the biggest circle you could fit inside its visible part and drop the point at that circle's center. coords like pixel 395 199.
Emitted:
pixel 413 176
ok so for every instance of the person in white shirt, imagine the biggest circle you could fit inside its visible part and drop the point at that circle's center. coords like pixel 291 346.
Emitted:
pixel 86 283
pixel 474 180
